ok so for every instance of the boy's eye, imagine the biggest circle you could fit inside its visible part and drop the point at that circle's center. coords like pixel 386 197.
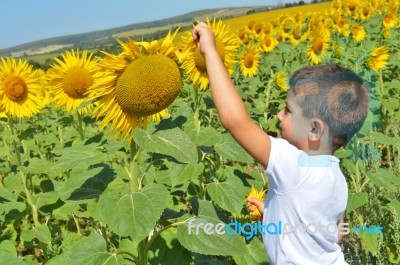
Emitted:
pixel 287 110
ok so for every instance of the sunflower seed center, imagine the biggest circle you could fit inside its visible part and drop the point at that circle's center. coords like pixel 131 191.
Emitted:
pixel 76 82
pixel 16 89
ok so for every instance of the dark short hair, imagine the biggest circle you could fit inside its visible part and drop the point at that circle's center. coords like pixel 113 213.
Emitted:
pixel 334 94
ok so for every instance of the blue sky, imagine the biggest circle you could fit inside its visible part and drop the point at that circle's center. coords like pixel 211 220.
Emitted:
pixel 23 21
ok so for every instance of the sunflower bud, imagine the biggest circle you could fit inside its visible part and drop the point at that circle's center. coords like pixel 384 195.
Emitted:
pixel 260 195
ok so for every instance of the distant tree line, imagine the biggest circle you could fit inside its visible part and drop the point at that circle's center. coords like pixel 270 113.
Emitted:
pixel 300 3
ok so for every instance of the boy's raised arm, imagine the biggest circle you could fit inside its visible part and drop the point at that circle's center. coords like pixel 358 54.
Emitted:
pixel 227 100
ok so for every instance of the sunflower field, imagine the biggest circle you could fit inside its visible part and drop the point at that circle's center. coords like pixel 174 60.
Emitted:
pixel 105 159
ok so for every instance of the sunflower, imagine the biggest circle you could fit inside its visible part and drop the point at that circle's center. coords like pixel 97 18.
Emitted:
pixel 145 81
pixel 366 12
pixel 352 7
pixel 298 18
pixel 288 25
pixel 258 28
pixel 268 29
pixel 358 32
pixel 268 43
pixel 73 77
pixel 259 195
pixel 250 61
pixel 343 26
pixel 319 43
pixel 389 20
pixel 2 112
pixel 378 58
pixel 297 36
pixel 19 88
pixel 245 36
pixel 337 50
pixel 193 61
pixel 42 79
pixel 280 81
pixel 251 25
pixel 386 33
pixel 336 6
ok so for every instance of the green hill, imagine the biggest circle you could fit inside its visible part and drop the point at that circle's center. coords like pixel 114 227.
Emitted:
pixel 106 38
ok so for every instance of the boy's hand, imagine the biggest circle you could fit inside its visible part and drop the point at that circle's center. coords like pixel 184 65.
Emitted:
pixel 256 208
pixel 204 38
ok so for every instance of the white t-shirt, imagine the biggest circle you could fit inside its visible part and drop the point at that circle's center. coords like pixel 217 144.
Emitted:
pixel 307 196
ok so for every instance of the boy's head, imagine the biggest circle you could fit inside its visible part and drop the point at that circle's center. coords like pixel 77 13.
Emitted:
pixel 330 99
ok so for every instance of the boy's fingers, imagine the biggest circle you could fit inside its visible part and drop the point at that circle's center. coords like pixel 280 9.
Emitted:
pixel 258 203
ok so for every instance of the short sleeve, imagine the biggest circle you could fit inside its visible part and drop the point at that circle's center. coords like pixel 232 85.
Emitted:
pixel 283 165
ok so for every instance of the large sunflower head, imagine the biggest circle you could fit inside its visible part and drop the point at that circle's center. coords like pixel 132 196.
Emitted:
pixel 73 77
pixel 378 58
pixel 250 60
pixel 193 61
pixel 19 88
pixel 146 79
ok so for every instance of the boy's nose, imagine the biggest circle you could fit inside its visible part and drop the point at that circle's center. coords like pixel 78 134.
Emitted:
pixel 279 115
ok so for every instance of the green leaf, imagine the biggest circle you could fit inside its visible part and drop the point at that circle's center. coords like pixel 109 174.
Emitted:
pixel 133 214
pixel 370 243
pixel 385 179
pixel 80 156
pixel 9 259
pixel 42 233
pixel 172 142
pixel 380 138
pixel 343 153
pixel 395 205
pixel 206 136
pixel 231 150
pixel 229 195
pixel 167 250
pixel 209 242
pixel 92 250
pixel 43 166
pixel 180 174
pixel 86 184
pixel 257 254
pixel 356 200
pixel 7 246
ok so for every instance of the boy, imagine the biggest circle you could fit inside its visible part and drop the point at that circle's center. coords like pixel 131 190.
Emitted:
pixel 325 107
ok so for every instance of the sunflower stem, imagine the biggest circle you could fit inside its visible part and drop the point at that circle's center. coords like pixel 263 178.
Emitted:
pixel 156 234
pixel 16 147
pixel 35 214
pixel 135 186
pixel 267 97
pixel 196 108
pixel 80 126
pixel 380 89
pixel 134 166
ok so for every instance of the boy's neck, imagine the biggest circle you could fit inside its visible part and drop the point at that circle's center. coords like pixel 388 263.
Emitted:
pixel 314 148
pixel 318 152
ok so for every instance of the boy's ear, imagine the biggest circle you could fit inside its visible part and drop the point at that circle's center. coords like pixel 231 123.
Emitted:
pixel 317 129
